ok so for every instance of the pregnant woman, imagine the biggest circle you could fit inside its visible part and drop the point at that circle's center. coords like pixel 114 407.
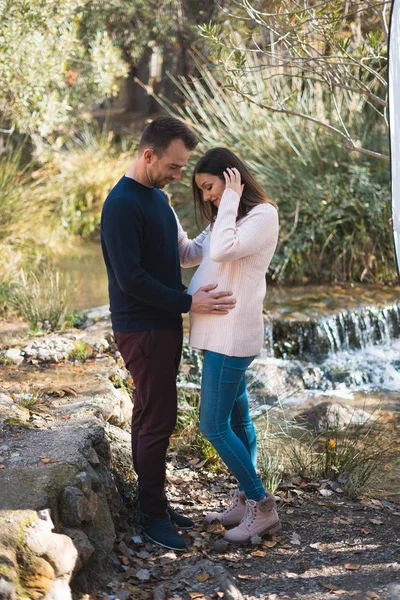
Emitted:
pixel 234 251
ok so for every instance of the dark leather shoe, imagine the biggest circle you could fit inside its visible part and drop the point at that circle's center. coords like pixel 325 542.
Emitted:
pixel 162 531
pixel 180 521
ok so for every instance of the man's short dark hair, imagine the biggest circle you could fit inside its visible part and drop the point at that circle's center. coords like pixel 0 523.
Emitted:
pixel 162 131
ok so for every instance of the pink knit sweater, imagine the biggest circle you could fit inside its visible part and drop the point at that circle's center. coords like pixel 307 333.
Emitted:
pixel 236 255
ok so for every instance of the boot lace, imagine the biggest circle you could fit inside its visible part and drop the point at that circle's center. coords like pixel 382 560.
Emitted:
pixel 233 500
pixel 250 513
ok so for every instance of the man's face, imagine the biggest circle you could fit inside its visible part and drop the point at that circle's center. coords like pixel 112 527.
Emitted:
pixel 162 170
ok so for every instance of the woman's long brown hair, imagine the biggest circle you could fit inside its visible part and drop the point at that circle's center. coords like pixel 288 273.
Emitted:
pixel 215 162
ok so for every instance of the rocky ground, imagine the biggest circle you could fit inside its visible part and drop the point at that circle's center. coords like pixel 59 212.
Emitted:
pixel 328 547
pixel 64 446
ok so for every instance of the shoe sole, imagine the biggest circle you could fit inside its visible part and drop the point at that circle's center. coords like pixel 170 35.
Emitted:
pixel 165 545
pixel 270 530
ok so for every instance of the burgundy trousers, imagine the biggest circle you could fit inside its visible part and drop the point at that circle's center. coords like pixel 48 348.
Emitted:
pixel 152 358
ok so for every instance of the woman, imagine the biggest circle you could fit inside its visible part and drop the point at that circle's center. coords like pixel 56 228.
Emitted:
pixel 234 251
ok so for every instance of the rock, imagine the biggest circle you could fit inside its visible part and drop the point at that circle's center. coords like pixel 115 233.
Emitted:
pixel 49 348
pixel 393 592
pixel 7 590
pixel 15 355
pixel 332 415
pixel 122 595
pixel 8 568
pixel 80 496
pixel 61 554
pixel 59 591
pixel 82 545
pixel 37 536
pixel 37 576
pixel 76 507
pixel 100 313
pixel 17 413
pixel 5 400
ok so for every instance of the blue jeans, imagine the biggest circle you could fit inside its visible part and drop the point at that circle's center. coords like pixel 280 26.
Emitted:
pixel 225 419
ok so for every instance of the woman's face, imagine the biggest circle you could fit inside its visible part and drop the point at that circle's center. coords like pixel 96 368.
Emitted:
pixel 212 187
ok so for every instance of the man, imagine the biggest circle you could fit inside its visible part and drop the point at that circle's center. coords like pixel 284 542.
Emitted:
pixel 140 249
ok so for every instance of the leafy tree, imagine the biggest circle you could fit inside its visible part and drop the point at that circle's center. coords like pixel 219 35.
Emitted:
pixel 49 74
pixel 137 28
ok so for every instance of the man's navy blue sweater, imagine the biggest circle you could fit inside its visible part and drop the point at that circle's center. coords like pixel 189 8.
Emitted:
pixel 139 239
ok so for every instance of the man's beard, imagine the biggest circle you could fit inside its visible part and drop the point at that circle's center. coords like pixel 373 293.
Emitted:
pixel 156 181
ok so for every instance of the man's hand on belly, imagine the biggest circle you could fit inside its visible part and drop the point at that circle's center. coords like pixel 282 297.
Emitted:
pixel 205 301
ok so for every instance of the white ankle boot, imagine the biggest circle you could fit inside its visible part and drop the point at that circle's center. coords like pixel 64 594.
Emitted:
pixel 260 518
pixel 233 515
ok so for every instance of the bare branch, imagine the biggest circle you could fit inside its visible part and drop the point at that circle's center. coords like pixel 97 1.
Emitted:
pixel 346 141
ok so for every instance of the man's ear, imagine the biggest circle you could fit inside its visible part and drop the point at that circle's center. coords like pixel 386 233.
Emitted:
pixel 148 155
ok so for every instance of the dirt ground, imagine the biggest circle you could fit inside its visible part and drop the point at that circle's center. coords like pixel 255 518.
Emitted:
pixel 329 547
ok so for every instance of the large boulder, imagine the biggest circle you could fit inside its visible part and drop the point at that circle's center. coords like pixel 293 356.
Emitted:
pixel 68 470
pixel 328 415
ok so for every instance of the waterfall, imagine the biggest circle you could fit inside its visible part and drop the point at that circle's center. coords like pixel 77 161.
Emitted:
pixel 346 330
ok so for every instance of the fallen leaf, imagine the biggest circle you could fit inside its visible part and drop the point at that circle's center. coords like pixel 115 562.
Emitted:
pixel 316 546
pixel 376 521
pixel 365 531
pixel 194 595
pixel 270 543
pixel 326 493
pixel 295 539
pixel 371 596
pixel 377 503
pixel 136 539
pixel 129 573
pixel 352 566
pixel 216 527
pixel 124 560
pixel 340 521
pixel 2 466
pixel 329 586
pixel 203 577
pixel 142 554
pixel 259 553
pixel 143 574
pixel 47 460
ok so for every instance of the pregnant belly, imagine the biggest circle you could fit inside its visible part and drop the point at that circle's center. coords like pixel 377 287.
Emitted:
pixel 205 275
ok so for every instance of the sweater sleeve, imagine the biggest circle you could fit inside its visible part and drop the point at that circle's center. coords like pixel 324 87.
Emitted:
pixel 190 251
pixel 122 230
pixel 230 241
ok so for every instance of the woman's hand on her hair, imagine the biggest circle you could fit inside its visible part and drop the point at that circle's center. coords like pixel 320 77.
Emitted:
pixel 233 181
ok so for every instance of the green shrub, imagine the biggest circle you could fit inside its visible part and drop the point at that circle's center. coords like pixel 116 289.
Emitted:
pixel 75 319
pixel 75 180
pixel 80 351
pixel 40 300
pixel 356 455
